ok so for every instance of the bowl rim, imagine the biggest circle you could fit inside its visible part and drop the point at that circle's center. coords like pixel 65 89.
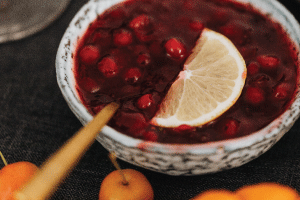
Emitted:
pixel 73 101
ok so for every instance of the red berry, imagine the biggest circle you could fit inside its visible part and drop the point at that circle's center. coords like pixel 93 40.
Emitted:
pixel 183 128
pixel 140 23
pixel 145 101
pixel 196 26
pixel 133 75
pixel 254 95
pixel 282 91
pixel 150 136
pixel 143 59
pixel 230 127
pixel 89 54
pixel 268 62
pixel 122 37
pixel 175 48
pixel 135 122
pixel 252 68
pixel 108 67
pixel 90 85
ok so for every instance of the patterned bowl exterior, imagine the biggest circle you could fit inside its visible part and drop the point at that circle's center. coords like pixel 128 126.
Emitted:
pixel 175 159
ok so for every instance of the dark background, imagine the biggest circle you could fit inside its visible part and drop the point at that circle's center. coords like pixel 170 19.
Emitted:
pixel 35 121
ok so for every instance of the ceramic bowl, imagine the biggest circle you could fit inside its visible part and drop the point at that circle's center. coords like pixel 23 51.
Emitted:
pixel 175 159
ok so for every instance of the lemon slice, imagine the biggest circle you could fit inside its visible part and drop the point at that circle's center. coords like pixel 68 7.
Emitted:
pixel 210 83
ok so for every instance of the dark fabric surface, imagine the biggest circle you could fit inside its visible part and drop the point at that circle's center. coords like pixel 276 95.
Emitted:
pixel 35 121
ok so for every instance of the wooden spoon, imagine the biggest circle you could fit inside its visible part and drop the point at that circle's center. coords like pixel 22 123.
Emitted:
pixel 58 166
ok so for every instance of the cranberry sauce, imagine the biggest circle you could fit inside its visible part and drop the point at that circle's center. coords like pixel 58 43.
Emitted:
pixel 134 51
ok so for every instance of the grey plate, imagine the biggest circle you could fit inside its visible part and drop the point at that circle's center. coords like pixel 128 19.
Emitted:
pixel 21 18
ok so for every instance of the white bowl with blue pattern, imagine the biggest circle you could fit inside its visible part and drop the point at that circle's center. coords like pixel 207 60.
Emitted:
pixel 175 159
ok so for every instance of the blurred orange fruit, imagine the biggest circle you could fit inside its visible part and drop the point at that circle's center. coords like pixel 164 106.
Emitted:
pixel 13 176
pixel 217 195
pixel 267 191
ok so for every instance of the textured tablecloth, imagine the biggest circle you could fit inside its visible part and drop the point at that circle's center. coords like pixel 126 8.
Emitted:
pixel 35 121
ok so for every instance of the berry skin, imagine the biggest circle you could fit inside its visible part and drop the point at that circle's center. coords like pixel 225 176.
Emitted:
pixel 140 23
pixel 184 128
pixel 196 26
pixel 145 101
pixel 89 54
pixel 108 67
pixel 143 59
pixel 150 136
pixel 282 91
pixel 134 122
pixel 123 37
pixel 175 48
pixel 254 96
pixel 133 75
pixel 90 85
pixel 268 62
pixel 252 68
pixel 230 127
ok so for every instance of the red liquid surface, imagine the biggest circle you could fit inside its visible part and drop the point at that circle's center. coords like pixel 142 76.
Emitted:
pixel 134 51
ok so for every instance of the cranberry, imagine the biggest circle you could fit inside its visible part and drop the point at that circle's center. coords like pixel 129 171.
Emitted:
pixel 145 101
pixel 254 95
pixel 122 37
pixel 133 75
pixel 175 48
pixel 108 67
pixel 184 128
pixel 282 91
pixel 140 23
pixel 135 122
pixel 89 54
pixel 196 26
pixel 268 62
pixel 230 127
pixel 143 59
pixel 90 85
pixel 252 68
pixel 150 136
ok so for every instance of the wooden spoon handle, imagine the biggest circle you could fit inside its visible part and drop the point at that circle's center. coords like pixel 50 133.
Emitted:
pixel 57 167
